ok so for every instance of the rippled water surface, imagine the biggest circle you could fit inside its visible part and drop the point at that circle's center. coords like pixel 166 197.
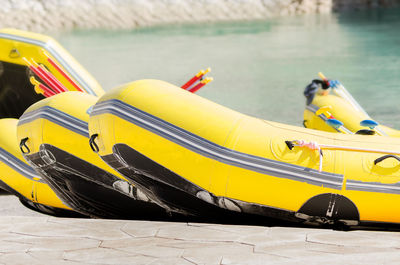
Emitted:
pixel 259 68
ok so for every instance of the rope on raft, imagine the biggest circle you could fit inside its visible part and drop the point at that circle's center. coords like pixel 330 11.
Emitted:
pixel 313 146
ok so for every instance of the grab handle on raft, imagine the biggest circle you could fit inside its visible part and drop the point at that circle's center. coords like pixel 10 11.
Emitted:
pixel 320 147
pixel 22 144
pixel 93 144
pixel 324 110
pixel 289 144
pixel 336 124
pixel 369 123
pixel 380 159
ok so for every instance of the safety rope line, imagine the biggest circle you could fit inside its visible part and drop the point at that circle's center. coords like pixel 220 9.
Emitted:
pixel 313 146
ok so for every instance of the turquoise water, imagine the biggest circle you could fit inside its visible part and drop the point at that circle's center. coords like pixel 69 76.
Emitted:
pixel 259 68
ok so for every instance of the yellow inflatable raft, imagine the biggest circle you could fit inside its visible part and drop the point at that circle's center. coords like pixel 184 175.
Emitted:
pixel 186 151
pixel 18 178
pixel 335 103
pixel 53 136
pixel 17 92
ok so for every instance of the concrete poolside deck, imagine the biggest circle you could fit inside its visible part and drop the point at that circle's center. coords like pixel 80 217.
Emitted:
pixel 27 237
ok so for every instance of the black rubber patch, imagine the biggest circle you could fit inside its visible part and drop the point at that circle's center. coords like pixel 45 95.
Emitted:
pixel 331 207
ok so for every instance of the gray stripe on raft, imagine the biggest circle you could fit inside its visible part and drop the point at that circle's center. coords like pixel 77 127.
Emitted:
pixel 58 117
pixel 55 54
pixel 17 165
pixel 209 149
pixel 373 186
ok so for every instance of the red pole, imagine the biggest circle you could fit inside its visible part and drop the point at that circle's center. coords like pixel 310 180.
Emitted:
pixel 59 88
pixel 64 74
pixel 196 87
pixel 36 72
pixel 49 80
pixel 46 91
pixel 201 84
pixel 199 75
pixel 191 81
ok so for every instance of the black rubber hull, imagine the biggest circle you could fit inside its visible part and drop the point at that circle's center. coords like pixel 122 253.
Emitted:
pixel 179 195
pixel 88 189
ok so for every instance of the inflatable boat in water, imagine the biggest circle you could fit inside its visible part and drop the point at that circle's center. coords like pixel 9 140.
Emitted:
pixel 18 178
pixel 187 151
pixel 53 137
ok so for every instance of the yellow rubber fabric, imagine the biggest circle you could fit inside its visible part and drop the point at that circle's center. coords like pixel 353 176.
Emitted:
pixel 342 111
pixel 31 188
pixel 16 44
pixel 248 135
pixel 41 130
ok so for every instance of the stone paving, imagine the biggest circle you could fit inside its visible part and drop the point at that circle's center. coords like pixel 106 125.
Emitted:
pixel 39 239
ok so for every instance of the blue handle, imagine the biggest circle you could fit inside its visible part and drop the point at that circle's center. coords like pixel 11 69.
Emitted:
pixel 334 123
pixel 369 123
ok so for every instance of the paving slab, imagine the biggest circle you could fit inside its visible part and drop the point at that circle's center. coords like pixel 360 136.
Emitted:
pixel 33 238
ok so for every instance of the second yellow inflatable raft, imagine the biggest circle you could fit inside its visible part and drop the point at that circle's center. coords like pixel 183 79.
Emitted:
pixel 187 151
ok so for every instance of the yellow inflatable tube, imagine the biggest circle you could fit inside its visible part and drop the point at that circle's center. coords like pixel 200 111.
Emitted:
pixel 337 103
pixel 184 149
pixel 53 134
pixel 17 44
pixel 17 92
pixel 17 177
